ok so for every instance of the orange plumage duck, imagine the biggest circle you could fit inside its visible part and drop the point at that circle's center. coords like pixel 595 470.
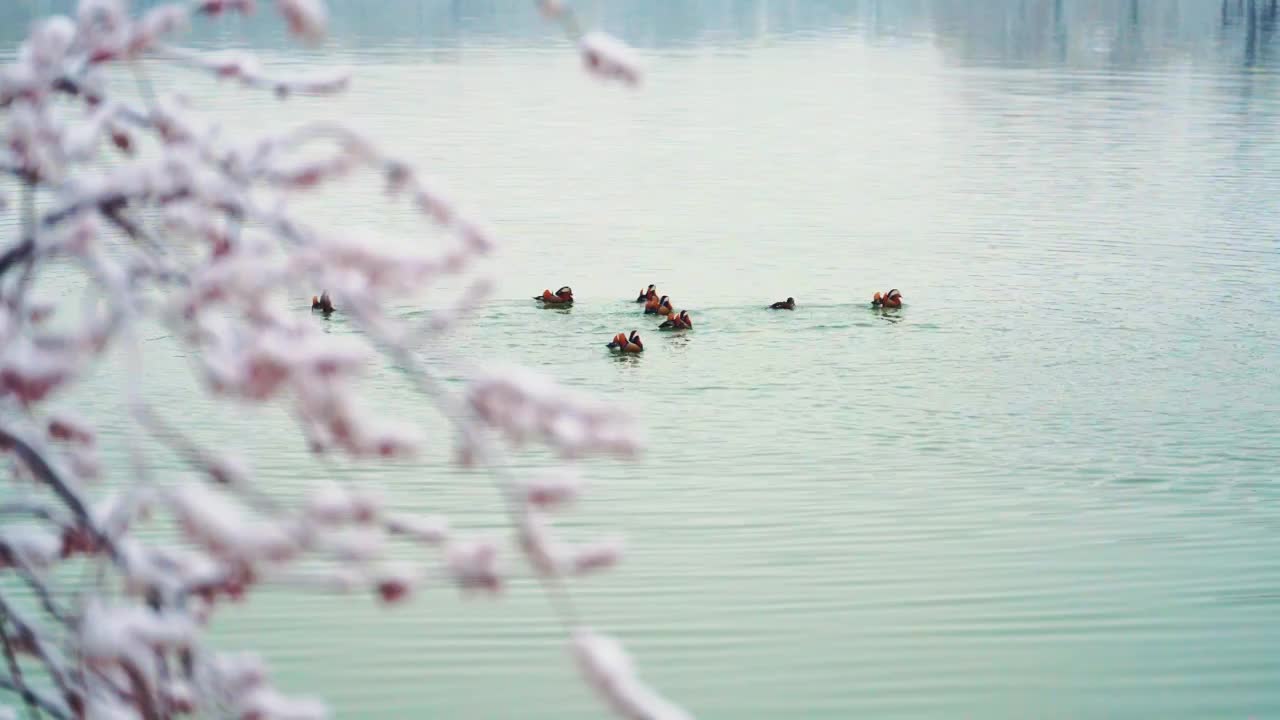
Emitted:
pixel 563 296
pixel 891 299
pixel 659 306
pixel 680 321
pixel 322 303
pixel 627 344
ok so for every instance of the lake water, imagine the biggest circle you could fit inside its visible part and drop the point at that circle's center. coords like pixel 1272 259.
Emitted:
pixel 1044 488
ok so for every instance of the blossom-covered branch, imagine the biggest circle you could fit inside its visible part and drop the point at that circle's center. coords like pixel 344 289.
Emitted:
pixel 170 220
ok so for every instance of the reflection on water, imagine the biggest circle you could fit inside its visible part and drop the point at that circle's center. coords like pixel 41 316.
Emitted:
pixel 1044 489
pixel 1087 33
pixel 892 315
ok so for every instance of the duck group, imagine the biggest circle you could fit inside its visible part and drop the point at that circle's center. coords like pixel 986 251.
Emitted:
pixel 654 304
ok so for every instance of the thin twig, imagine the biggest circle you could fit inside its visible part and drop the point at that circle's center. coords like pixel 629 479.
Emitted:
pixel 28 231
pixel 44 512
pixel 39 588
pixel 28 632
pixel 430 385
pixel 15 671
pixel 42 470
pixel 48 705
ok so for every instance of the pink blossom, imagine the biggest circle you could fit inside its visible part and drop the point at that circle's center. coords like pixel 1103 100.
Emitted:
pixel 477 237
pixel 395 583
pixel 110 13
pixel 227 469
pixel 521 403
pixel 596 556
pixel 308 174
pixel 332 504
pixel 552 557
pixel 431 530
pixel 370 437
pixel 551 9
pixel 29 372
pixel 549 491
pixel 474 565
pixel 265 703
pixel 608 57
pixel 173 568
pixel 343 579
pixel 546 554
pixel 111 632
pixel 104 27
pixel 306 18
pixel 607 668
pixel 196 233
pixel 232 64
pixel 156 23
pixel 434 204
pixel 71 428
pixel 33 546
pixel 81 142
pixel 329 82
pixel 214 521
pixel 84 462
pixel 37 313
pixel 217 7
pixel 179 696
pixel 235 674
pixel 102 706
pixel 353 545
pixel 115 512
pixel 49 42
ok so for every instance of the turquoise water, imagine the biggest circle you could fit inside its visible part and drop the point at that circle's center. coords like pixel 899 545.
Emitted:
pixel 1045 488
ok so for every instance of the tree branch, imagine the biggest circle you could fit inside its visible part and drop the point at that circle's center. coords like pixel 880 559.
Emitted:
pixel 15 671
pixel 28 634
pixel 41 699
pixel 42 470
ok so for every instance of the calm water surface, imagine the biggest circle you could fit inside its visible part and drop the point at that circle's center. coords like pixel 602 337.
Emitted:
pixel 1045 488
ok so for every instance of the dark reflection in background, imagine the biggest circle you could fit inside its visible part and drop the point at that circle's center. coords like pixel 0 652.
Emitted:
pixel 1081 33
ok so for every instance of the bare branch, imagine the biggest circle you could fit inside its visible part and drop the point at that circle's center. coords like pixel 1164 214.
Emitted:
pixel 46 703
pixel 30 635
pixel 15 671
pixel 210 239
pixel 34 461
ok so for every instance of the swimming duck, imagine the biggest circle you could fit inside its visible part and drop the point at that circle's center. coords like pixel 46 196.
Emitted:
pixel 659 306
pixel 678 322
pixel 644 296
pixel 891 299
pixel 322 303
pixel 788 304
pixel 563 296
pixel 626 344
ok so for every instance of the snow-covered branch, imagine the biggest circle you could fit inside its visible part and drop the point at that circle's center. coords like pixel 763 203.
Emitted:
pixel 170 220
